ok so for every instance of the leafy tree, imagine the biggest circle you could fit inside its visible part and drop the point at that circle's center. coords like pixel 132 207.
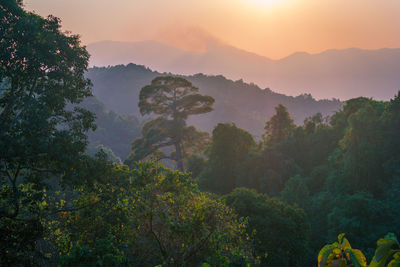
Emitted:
pixel 174 99
pixel 42 131
pixel 102 254
pixel 92 150
pixel 235 101
pixel 230 147
pixel 312 123
pixel 312 145
pixel 296 192
pixel 195 164
pixel 350 170
pixel 267 168
pixel 322 204
pixel 362 152
pixel 18 235
pixel 155 216
pixel 280 126
pixel 359 188
pixel 188 226
pixel 280 232
pixel 252 171
pixel 391 133
pixel 360 215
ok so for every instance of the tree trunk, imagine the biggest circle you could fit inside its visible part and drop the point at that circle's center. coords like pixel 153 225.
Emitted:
pixel 179 160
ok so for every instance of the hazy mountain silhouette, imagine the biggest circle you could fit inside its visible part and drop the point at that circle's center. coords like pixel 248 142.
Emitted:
pixel 340 74
pixel 245 104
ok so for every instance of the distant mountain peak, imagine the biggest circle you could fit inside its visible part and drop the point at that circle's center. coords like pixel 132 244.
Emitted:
pixel 334 73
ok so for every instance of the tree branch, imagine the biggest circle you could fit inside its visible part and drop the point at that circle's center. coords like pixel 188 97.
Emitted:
pixel 160 245
pixel 196 247
pixel 13 181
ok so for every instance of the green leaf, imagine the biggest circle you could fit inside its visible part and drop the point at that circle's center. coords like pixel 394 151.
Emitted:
pixel 324 254
pixel 383 260
pixel 392 236
pixel 396 260
pixel 384 250
pixel 340 238
pixel 345 244
pixel 357 257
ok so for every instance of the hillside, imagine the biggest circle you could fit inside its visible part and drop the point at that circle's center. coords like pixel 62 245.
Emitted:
pixel 245 104
pixel 113 130
pixel 341 74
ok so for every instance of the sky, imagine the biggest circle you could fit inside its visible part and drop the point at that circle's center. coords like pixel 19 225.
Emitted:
pixel 272 28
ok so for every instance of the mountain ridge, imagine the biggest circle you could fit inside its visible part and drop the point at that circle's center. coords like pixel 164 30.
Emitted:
pixel 245 104
pixel 334 73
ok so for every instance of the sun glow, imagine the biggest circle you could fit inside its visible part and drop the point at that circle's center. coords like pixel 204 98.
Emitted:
pixel 268 3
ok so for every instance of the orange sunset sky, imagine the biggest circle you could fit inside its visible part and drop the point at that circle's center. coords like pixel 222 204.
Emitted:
pixel 272 28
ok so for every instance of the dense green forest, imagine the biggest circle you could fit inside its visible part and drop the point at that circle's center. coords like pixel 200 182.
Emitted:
pixel 116 90
pixel 245 104
pixel 225 199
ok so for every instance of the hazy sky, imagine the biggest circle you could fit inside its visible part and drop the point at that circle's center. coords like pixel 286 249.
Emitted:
pixel 273 28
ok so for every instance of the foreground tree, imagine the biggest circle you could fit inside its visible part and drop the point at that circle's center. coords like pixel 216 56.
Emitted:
pixel 189 226
pixel 174 99
pixel 387 252
pixel 341 253
pixel 41 74
pixel 157 216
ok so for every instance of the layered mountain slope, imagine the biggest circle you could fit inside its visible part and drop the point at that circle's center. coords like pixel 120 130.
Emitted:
pixel 339 74
pixel 245 104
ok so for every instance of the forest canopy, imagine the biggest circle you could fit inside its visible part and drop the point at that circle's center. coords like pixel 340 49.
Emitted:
pixel 285 198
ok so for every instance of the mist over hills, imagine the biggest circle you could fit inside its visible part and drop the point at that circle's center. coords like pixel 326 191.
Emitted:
pixel 245 104
pixel 339 74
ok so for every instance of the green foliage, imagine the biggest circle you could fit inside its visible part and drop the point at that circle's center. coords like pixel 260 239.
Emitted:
pixel 109 153
pixel 361 146
pixel 102 254
pixel 388 249
pixel 341 254
pixel 246 104
pixel 155 216
pixel 190 227
pixel 173 96
pixel 55 199
pixel 42 134
pixel 174 99
pixel 344 170
pixel 296 192
pixel 195 164
pixel 230 147
pixel 278 230
pixel 280 126
pixel 362 216
pixel 18 237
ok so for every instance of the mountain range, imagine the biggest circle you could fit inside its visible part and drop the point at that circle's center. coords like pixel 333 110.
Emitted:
pixel 245 104
pixel 341 74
